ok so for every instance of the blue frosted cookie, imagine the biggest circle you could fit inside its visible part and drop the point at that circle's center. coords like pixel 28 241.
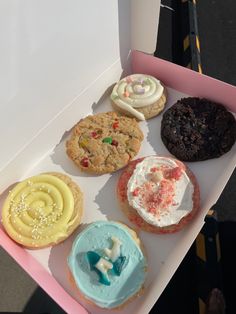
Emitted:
pixel 107 264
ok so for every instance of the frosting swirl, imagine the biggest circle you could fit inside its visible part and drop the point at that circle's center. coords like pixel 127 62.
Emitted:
pixel 39 211
pixel 137 91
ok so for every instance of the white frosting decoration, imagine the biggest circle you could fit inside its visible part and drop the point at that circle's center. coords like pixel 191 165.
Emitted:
pixel 114 253
pixel 103 266
pixel 179 192
pixel 136 91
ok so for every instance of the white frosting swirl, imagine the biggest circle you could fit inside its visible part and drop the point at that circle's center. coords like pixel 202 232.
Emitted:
pixel 136 91
pixel 160 200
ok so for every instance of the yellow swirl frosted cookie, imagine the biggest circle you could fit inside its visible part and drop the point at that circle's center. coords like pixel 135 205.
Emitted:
pixel 42 210
pixel 140 96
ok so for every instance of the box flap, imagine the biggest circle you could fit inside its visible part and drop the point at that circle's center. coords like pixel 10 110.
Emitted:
pixel 144 27
pixel 53 50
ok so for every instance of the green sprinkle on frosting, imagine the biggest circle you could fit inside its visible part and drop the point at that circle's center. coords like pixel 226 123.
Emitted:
pixel 147 81
pixel 114 96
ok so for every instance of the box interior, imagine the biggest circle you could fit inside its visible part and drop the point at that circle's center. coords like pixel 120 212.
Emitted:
pixel 165 252
pixel 53 51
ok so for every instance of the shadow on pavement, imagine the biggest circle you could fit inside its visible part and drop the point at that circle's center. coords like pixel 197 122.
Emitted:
pixel 41 303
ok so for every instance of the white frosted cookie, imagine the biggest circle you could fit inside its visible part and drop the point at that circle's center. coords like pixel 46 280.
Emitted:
pixel 158 194
pixel 139 96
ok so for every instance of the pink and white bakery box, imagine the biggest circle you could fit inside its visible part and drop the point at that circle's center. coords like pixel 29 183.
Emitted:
pixel 59 63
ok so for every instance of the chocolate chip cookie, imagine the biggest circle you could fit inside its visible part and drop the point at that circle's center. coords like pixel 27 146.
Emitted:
pixel 104 142
pixel 195 129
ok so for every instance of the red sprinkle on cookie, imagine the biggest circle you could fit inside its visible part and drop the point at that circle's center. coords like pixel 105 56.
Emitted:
pixel 158 197
pixel 104 142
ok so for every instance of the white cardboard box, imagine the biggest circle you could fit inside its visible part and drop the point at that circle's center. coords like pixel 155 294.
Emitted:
pixel 62 58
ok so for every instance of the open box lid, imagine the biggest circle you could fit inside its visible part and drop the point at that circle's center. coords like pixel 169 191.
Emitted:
pixel 51 51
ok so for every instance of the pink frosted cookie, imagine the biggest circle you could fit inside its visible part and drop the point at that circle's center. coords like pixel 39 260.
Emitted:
pixel 158 194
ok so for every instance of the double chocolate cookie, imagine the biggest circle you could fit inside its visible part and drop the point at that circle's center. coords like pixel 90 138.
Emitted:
pixel 195 129
pixel 104 142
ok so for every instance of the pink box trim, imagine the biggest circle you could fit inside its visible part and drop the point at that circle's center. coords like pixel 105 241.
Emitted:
pixel 185 80
pixel 40 275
